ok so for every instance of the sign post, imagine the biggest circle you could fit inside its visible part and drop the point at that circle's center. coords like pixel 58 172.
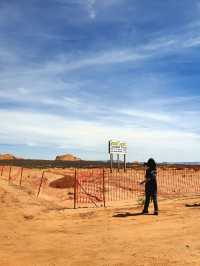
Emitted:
pixel 118 166
pixel 124 162
pixel 111 162
pixel 117 147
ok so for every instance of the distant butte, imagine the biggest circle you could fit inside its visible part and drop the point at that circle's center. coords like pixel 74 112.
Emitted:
pixel 67 157
pixel 7 156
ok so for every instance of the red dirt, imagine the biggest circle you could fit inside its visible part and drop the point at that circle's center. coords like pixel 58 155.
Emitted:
pixel 38 232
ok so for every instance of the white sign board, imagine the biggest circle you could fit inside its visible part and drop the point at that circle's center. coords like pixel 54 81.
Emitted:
pixel 117 147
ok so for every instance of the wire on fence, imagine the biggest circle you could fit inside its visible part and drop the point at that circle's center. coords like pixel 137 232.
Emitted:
pixel 103 186
pixel 99 187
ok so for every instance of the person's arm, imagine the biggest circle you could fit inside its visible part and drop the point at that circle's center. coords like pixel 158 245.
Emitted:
pixel 145 181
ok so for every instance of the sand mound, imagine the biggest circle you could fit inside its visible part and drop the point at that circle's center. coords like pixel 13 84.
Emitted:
pixel 67 157
pixel 64 182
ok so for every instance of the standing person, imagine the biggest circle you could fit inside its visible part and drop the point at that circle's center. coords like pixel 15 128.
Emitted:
pixel 150 186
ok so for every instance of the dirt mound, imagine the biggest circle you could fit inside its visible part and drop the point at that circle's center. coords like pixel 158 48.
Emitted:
pixel 7 157
pixel 67 157
pixel 64 182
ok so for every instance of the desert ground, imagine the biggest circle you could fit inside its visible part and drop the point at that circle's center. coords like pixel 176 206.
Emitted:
pixel 39 232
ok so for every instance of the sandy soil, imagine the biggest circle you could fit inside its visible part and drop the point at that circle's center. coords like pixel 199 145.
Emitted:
pixel 37 232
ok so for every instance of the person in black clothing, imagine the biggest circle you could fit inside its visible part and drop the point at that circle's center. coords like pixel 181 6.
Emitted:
pixel 150 186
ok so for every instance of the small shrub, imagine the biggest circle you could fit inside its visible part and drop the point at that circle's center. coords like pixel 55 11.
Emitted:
pixel 140 200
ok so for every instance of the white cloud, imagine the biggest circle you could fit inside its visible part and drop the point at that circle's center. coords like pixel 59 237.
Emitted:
pixel 64 63
pixel 99 59
pixel 192 42
pixel 78 105
pixel 169 101
pixel 54 131
pixel 162 117
pixel 91 8
pixel 157 47
pixel 63 103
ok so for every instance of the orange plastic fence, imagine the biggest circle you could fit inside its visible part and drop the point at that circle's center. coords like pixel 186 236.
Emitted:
pixel 56 185
pixel 89 186
pixel 100 186
pixel 23 177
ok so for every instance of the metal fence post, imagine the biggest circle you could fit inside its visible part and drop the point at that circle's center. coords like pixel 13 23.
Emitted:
pixel 9 177
pixel 21 176
pixel 75 184
pixel 40 183
pixel 104 198
pixel 2 170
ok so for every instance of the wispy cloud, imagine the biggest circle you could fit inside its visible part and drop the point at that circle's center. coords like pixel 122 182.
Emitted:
pixel 29 97
pixel 91 8
pixel 160 47
pixel 39 130
pixel 148 115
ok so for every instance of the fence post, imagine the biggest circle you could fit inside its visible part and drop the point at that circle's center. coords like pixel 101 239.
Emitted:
pixel 40 183
pixel 21 176
pixel 75 184
pixel 9 177
pixel 104 198
pixel 2 170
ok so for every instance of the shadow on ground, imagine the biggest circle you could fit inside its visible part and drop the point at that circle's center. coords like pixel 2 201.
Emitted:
pixel 193 205
pixel 127 214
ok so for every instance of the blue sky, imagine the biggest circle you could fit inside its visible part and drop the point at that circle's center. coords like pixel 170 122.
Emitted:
pixel 76 73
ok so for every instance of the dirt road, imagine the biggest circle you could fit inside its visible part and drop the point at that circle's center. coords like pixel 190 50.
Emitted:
pixel 35 232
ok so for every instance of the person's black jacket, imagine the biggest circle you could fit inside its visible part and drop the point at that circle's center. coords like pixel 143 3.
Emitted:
pixel 151 182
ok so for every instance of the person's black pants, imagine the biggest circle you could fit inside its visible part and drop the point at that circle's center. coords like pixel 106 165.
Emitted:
pixel 148 196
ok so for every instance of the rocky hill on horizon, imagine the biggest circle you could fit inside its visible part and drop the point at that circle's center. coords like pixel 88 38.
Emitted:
pixel 8 156
pixel 67 157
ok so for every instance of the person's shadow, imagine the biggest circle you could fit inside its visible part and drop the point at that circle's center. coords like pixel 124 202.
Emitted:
pixel 127 214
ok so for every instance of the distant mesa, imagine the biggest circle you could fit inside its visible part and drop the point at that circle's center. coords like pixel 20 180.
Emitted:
pixel 67 157
pixel 7 156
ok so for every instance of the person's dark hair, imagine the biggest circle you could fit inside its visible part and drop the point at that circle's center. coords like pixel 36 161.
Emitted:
pixel 151 164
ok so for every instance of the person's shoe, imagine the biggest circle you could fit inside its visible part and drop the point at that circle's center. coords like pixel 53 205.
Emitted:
pixel 156 213
pixel 145 212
